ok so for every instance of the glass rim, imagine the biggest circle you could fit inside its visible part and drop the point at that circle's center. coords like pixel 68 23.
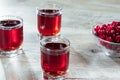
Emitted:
pixel 62 38
pixel 9 17
pixel 54 6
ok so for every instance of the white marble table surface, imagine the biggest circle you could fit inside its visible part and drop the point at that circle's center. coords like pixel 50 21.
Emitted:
pixel 87 61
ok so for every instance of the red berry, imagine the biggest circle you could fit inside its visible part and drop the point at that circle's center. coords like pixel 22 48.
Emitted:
pixel 101 32
pixel 114 23
pixel 117 39
pixel 108 30
pixel 111 33
pixel 117 29
pixel 109 27
pixel 109 39
pixel 118 23
pixel 104 26
pixel 102 36
pixel 97 28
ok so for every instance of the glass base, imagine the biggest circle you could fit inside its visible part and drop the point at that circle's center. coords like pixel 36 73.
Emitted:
pixel 49 77
pixel 4 54
pixel 42 37
pixel 113 54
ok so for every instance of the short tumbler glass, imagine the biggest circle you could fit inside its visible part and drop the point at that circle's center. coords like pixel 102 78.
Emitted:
pixel 55 57
pixel 11 35
pixel 48 19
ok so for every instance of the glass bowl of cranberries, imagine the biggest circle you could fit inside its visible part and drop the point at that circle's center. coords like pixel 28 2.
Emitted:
pixel 108 37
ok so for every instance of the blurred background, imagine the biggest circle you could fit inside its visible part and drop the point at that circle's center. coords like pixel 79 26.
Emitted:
pixel 77 10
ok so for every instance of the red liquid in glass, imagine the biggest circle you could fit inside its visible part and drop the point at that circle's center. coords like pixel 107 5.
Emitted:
pixel 10 37
pixel 55 63
pixel 49 22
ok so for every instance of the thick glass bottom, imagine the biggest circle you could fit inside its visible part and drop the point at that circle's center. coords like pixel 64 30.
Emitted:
pixel 112 54
pixel 11 53
pixel 50 77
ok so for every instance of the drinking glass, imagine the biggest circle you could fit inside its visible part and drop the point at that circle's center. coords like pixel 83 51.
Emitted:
pixel 11 35
pixel 48 19
pixel 54 57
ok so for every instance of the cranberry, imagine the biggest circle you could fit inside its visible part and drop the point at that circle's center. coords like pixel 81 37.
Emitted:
pixel 101 32
pixel 109 32
pixel 114 23
pixel 102 36
pixel 109 39
pixel 117 39
pixel 97 28
pixel 117 29
pixel 118 23
pixel 112 31
pixel 104 26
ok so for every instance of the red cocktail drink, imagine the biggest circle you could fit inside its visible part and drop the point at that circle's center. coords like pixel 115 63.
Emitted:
pixel 11 34
pixel 49 21
pixel 11 38
pixel 55 63
pixel 55 57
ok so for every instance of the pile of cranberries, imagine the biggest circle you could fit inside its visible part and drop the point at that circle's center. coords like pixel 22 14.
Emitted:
pixel 109 34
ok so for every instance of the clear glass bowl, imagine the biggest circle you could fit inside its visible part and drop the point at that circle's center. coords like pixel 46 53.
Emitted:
pixel 111 49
